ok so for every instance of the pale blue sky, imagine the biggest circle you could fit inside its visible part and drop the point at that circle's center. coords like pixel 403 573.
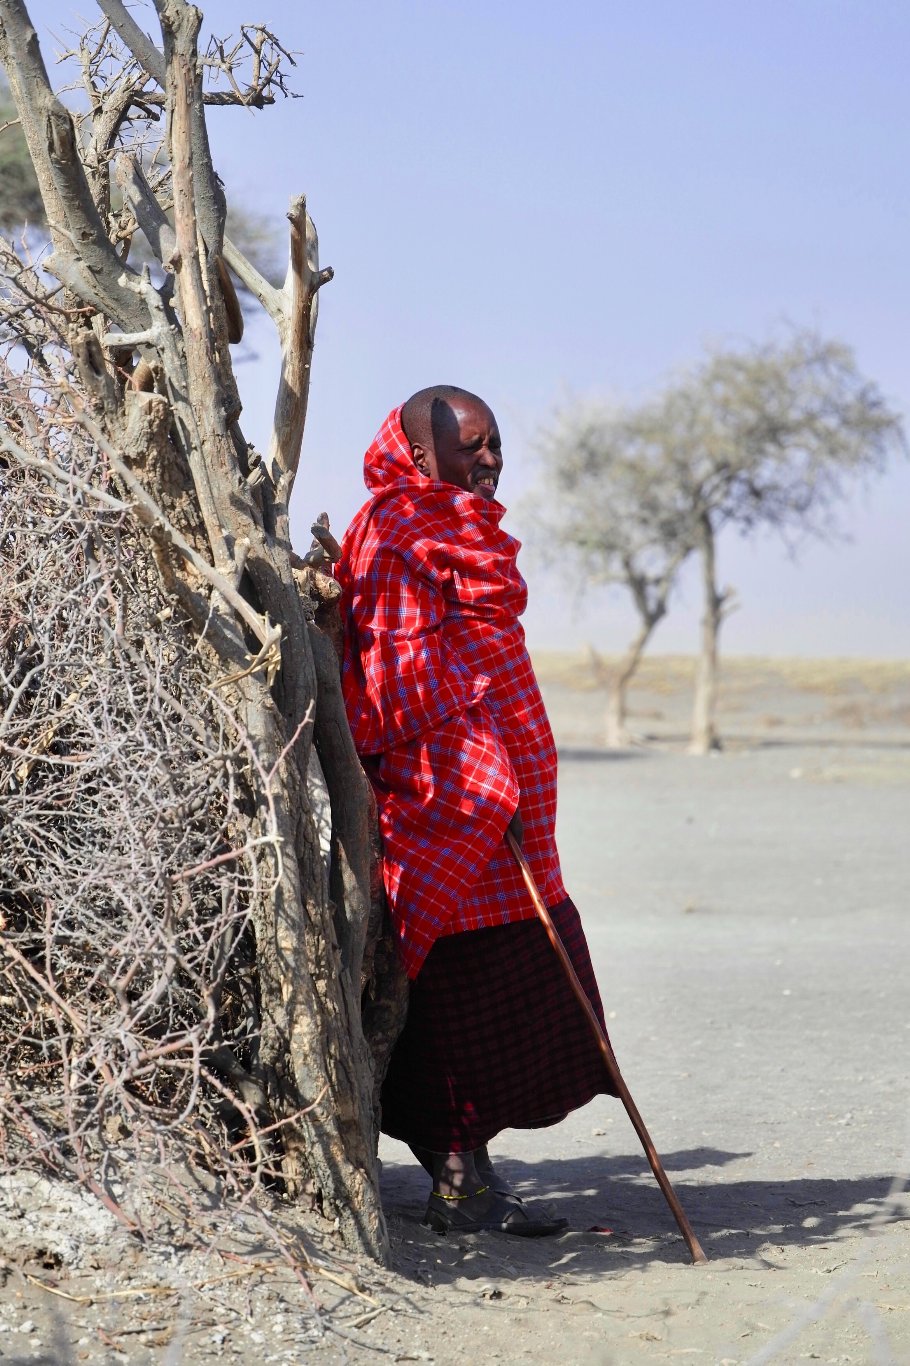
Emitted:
pixel 537 200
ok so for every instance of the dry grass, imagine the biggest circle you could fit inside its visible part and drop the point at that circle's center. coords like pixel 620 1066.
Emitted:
pixel 667 674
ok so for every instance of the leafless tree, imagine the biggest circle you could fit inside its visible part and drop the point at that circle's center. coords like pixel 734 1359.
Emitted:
pixel 771 438
pixel 767 438
pixel 608 512
pixel 175 957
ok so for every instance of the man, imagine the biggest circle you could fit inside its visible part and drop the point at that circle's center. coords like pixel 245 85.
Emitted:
pixel 447 715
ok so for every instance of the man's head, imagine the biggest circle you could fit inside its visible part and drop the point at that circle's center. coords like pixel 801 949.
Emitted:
pixel 454 438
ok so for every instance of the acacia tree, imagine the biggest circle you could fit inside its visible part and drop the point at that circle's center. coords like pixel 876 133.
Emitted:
pixel 20 197
pixel 771 437
pixel 609 512
pixel 187 606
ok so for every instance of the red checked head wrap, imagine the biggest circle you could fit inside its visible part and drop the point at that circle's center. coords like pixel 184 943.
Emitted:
pixel 388 460
pixel 446 537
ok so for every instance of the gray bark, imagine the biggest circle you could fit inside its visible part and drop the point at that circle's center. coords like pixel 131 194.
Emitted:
pixel 616 733
pixel 704 712
pixel 77 231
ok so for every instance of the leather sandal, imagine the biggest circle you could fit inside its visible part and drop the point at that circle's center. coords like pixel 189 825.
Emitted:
pixel 502 1215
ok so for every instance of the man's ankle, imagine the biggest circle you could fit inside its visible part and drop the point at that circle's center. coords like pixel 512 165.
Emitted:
pixel 455 1176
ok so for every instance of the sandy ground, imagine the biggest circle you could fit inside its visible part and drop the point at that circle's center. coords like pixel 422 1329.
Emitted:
pixel 747 915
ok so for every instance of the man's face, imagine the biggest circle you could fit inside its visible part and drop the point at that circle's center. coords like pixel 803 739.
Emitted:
pixel 466 449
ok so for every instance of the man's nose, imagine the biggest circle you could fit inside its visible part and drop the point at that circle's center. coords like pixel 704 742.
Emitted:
pixel 490 457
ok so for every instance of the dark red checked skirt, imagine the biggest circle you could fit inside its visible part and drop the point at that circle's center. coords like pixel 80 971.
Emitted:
pixel 494 1038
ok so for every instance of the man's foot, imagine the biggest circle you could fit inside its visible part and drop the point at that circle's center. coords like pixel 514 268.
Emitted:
pixel 488 1212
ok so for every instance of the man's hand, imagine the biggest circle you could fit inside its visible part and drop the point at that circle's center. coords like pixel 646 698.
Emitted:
pixel 516 827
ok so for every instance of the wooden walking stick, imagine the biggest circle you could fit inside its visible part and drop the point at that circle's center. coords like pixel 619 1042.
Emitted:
pixel 685 1228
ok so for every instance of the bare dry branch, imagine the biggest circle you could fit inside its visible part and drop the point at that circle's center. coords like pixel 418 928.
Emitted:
pixel 149 57
pixel 296 331
pixel 80 237
pixel 150 216
pixel 270 297
pixel 151 515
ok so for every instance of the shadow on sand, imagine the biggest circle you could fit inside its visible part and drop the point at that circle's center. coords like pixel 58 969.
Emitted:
pixel 654 746
pixel 591 754
pixel 746 1219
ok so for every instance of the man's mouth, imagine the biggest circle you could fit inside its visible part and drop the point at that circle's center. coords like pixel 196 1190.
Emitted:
pixel 485 484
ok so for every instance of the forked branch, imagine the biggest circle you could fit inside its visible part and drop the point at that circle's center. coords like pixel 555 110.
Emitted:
pixel 297 330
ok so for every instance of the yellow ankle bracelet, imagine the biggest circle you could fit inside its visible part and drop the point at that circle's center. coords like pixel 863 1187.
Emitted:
pixel 482 1191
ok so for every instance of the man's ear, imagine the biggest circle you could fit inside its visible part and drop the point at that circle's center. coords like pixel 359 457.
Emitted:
pixel 420 456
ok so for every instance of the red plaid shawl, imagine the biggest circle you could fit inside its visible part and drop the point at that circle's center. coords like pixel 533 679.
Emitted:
pixel 439 688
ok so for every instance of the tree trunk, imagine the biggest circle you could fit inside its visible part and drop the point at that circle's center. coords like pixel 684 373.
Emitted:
pixel 704 730
pixel 616 733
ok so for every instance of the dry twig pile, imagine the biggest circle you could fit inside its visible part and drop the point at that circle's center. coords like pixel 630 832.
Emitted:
pixel 182 980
